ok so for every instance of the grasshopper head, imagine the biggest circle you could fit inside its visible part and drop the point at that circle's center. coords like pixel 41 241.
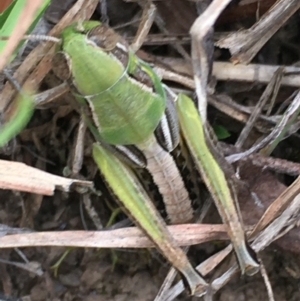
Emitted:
pixel 104 37
pixel 61 63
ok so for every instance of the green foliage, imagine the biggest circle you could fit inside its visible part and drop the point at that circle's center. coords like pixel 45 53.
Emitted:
pixel 10 17
pixel 22 115
pixel 24 105
pixel 221 132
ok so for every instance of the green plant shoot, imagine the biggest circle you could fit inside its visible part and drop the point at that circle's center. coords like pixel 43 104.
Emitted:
pixel 9 18
pixel 23 111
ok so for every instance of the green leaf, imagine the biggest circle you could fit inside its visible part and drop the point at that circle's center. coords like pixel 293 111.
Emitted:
pixel 22 115
pixel 221 132
pixel 10 17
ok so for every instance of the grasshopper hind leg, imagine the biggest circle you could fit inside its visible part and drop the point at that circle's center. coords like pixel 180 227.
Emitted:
pixel 167 131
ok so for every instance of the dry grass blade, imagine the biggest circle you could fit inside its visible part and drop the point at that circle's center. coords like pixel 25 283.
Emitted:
pixel 44 98
pixel 224 71
pixel 244 45
pixel 165 287
pixel 174 69
pixel 278 206
pixel 30 266
pixel 275 164
pixel 269 94
pixel 241 113
pixel 172 76
pixel 267 281
pixel 255 72
pixel 280 225
pixel 148 18
pixel 184 235
pixel 202 33
pixel 18 176
pixel 278 132
pixel 206 21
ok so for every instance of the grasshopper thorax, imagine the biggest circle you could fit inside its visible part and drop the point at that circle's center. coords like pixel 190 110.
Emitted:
pixel 124 111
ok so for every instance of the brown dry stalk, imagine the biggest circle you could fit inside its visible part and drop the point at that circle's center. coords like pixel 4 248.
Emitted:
pixel 184 235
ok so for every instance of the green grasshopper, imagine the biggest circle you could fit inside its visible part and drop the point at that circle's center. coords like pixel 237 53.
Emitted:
pixel 135 122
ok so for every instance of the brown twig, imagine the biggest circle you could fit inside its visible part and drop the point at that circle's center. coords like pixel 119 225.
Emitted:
pixel 184 235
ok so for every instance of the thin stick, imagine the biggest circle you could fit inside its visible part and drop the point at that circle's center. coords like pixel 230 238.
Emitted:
pixel 178 70
pixel 131 237
pixel 267 281
pixel 255 73
pixel 148 17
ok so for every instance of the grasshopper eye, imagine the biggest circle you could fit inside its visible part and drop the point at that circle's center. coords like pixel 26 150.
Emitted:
pixel 61 65
pixel 103 37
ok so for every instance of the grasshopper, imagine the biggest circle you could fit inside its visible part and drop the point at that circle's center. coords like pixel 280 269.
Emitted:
pixel 135 122
pixel 127 118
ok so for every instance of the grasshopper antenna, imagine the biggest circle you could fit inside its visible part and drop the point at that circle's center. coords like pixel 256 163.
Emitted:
pixel 36 37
